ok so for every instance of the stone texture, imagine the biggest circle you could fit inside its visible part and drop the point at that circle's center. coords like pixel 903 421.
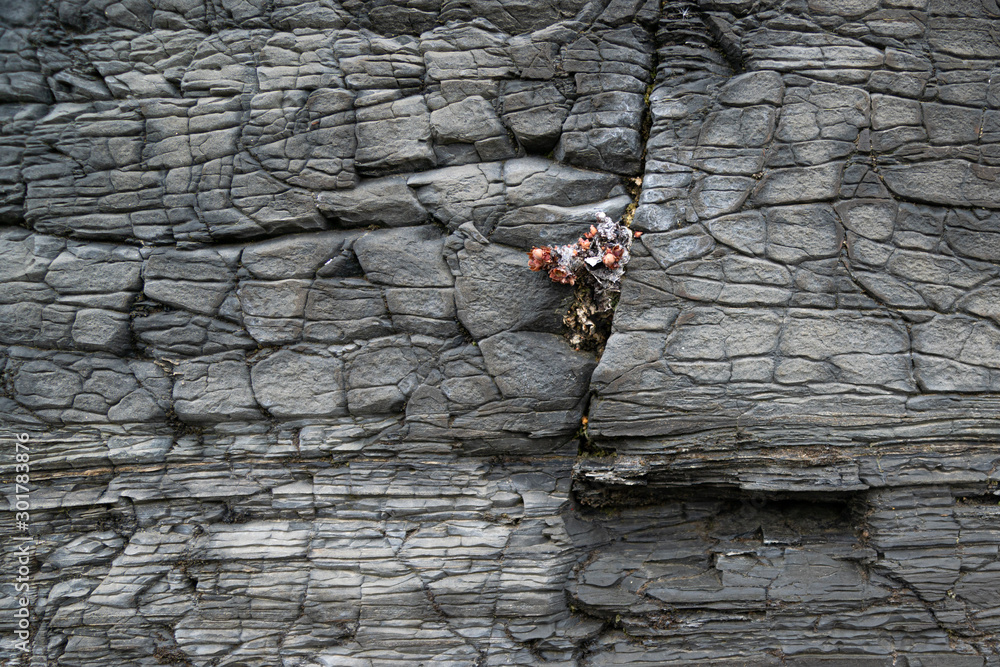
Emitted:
pixel 293 397
pixel 290 384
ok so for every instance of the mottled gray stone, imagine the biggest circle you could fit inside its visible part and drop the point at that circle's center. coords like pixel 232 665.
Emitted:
pixel 26 256
pixel 889 290
pixel 337 311
pixel 273 299
pixel 493 277
pixel 20 323
pixel 394 136
pixel 799 184
pixel 429 311
pixel 718 195
pixel 94 269
pixel 820 338
pixel 747 232
pixel 294 257
pixel 536 365
pixel 139 407
pixel 614 148
pixel 984 302
pixel 381 201
pixel 532 181
pixel 974 236
pixel 468 121
pixel 949 124
pixel 43 384
pixel 215 388
pixel 795 233
pixel 456 195
pixel 105 330
pixel 679 246
pixel 535 113
pixel 409 257
pixel 546 224
pixel 889 111
pixel 381 375
pixel 949 182
pixel 753 88
pixel 871 219
pixel 197 280
pixel 181 332
pixel 289 384
pixel 87 549
pixel 752 126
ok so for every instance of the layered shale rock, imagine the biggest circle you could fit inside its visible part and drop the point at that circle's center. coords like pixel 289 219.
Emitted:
pixel 294 398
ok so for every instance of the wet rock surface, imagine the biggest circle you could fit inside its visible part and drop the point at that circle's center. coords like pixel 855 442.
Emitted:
pixel 294 397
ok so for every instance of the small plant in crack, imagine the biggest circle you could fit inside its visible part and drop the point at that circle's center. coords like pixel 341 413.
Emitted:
pixel 594 265
pixel 587 447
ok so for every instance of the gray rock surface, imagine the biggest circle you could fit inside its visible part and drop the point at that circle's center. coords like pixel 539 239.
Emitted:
pixel 294 398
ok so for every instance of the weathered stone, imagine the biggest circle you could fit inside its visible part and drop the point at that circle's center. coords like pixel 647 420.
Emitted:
pixel 805 184
pixel 752 126
pixel 456 195
pixel 795 233
pixel 949 182
pixel 43 384
pixel 536 365
pixel 214 389
pixel 382 201
pixel 972 237
pixel 410 257
pixel 277 416
pixel 394 136
pixel 337 311
pixel 535 114
pixel 492 277
pixel 819 339
pixel 888 111
pixel 294 257
pixel 871 219
pixel 198 280
pixel 468 121
pixel 746 232
pixel 289 384
pixel 718 195
pixel 106 330
pixel 272 311
pixel 94 269
pixel 679 246
pixel 533 181
pixel 546 224
pixel 753 88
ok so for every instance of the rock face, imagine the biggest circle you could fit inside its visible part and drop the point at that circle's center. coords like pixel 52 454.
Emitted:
pixel 293 397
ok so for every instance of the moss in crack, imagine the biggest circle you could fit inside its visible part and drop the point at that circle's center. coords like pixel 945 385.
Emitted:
pixel 465 333
pixel 588 448
pixel 634 188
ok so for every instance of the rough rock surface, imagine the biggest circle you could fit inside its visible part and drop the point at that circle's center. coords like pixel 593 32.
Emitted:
pixel 294 398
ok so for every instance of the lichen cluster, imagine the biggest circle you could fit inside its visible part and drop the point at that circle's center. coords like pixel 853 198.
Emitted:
pixel 595 264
